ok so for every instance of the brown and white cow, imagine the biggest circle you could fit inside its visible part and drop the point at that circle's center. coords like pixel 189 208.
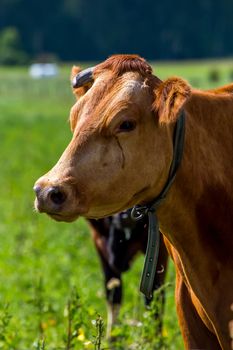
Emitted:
pixel 120 155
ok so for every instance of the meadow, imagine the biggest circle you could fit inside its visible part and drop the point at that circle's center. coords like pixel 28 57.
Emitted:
pixel 51 286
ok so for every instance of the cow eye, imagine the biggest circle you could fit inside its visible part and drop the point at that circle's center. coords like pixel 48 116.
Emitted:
pixel 126 126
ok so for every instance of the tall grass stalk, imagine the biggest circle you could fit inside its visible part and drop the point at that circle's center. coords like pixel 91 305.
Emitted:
pixel 74 322
pixel 40 344
pixel 99 332
pixel 5 318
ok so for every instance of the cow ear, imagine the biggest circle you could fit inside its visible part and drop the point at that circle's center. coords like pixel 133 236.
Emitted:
pixel 170 97
pixel 81 90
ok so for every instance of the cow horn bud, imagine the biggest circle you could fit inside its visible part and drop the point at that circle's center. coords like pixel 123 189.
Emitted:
pixel 83 78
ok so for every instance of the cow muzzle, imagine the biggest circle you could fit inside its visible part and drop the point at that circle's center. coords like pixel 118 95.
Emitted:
pixel 50 199
pixel 58 201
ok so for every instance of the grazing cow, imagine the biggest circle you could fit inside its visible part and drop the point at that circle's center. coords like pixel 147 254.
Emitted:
pixel 120 155
pixel 118 239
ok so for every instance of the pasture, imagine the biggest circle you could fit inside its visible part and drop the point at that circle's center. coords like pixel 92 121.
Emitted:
pixel 51 290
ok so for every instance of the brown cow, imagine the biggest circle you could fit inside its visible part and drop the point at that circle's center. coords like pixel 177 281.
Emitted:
pixel 118 239
pixel 120 155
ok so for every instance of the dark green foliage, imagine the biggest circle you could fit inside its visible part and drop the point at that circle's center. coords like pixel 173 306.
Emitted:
pixel 10 47
pixel 214 75
pixel 81 30
pixel 231 75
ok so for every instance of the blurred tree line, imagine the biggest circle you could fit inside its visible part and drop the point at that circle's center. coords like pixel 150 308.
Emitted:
pixel 92 30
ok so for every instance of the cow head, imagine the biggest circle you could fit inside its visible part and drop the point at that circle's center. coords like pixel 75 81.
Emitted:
pixel 121 149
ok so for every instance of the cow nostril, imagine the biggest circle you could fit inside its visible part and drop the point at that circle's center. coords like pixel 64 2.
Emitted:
pixel 57 196
pixel 37 189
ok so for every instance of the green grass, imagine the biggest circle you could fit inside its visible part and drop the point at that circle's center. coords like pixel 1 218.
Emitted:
pixel 49 271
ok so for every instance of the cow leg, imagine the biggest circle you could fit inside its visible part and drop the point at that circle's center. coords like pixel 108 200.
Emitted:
pixel 195 334
pixel 113 292
pixel 112 279
pixel 113 288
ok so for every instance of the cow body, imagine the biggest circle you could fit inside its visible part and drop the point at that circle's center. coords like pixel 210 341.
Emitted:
pixel 201 232
pixel 118 239
pixel 120 156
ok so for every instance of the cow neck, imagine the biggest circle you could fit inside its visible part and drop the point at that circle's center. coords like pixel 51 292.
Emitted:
pixel 140 211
